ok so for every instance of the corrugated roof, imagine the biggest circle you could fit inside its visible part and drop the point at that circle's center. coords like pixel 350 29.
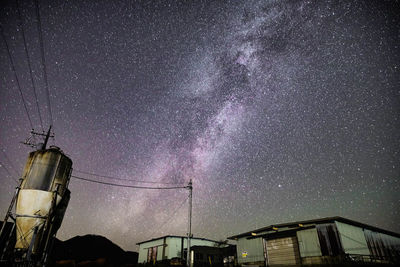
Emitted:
pixel 315 221
pixel 177 236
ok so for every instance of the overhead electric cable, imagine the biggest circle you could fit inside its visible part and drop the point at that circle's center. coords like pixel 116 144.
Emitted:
pixel 9 161
pixel 29 62
pixel 39 25
pixel 123 179
pixel 16 77
pixel 127 186
pixel 170 218
pixel 8 172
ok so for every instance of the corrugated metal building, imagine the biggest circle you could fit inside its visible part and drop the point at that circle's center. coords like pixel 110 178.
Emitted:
pixel 321 241
pixel 170 247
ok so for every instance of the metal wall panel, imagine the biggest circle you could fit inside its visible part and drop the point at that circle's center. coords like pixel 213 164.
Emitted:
pixel 382 245
pixel 353 239
pixel 283 251
pixel 173 247
pixel 309 243
pixel 143 249
pixel 250 250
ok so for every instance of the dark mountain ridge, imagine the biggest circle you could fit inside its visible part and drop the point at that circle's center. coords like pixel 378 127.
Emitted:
pixel 91 248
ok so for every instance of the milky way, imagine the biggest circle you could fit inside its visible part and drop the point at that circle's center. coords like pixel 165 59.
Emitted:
pixel 278 110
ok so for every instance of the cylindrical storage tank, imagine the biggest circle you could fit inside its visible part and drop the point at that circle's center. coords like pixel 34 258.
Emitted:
pixel 45 172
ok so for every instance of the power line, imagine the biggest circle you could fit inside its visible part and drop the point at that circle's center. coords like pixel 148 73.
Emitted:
pixel 171 218
pixel 29 61
pixel 39 25
pixel 9 161
pixel 123 179
pixel 127 186
pixel 16 77
pixel 8 172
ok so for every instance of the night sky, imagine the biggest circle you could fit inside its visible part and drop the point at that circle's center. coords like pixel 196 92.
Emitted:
pixel 278 110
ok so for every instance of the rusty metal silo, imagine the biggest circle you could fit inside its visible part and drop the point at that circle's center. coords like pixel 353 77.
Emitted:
pixel 42 201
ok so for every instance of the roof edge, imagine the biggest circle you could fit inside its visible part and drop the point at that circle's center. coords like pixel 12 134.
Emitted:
pixel 177 236
pixel 320 220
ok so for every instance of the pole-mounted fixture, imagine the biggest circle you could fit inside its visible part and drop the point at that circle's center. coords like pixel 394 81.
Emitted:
pixel 33 144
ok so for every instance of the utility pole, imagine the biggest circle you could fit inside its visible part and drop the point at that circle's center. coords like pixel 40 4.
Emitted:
pixel 46 139
pixel 46 136
pixel 190 187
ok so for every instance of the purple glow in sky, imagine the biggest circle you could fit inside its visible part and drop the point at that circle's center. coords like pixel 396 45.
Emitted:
pixel 278 110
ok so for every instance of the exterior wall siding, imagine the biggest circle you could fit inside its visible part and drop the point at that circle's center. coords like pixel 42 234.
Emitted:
pixel 323 241
pixel 173 247
pixel 250 250
pixel 309 243
pixel 382 245
pixel 353 239
pixel 282 251
pixel 143 249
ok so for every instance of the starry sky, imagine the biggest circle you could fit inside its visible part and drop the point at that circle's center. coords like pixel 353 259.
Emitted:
pixel 278 110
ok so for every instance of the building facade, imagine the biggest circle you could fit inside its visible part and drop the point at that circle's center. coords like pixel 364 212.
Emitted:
pixel 172 247
pixel 322 241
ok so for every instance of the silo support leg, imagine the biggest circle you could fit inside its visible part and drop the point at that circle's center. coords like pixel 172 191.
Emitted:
pixel 7 242
pixel 10 208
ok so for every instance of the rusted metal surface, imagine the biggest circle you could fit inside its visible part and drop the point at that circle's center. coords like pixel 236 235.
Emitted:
pixel 45 169
pixel 32 209
pixel 44 193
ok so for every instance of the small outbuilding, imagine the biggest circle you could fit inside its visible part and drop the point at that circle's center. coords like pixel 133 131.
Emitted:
pixel 332 240
pixel 172 249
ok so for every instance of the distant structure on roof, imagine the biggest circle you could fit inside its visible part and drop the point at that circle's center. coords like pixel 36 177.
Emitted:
pixel 40 202
pixel 333 240
pixel 172 250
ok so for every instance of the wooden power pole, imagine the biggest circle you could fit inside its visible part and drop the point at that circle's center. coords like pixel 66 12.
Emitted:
pixel 188 256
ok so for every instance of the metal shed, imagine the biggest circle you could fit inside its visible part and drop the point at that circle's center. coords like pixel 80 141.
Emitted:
pixel 169 247
pixel 320 241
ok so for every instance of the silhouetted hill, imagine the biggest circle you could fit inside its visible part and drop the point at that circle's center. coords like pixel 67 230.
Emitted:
pixel 92 248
